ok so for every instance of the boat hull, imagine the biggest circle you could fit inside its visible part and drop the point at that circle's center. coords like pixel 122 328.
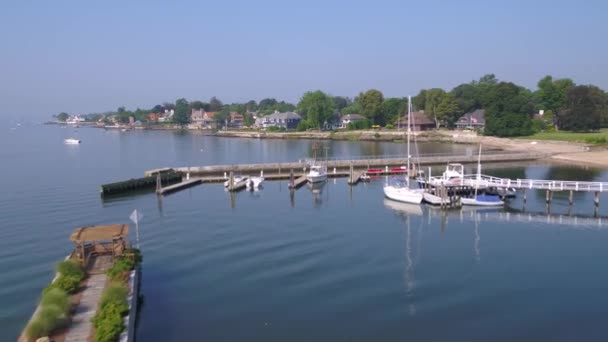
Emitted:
pixel 434 199
pixel 316 178
pixel 255 183
pixel 481 202
pixel 405 195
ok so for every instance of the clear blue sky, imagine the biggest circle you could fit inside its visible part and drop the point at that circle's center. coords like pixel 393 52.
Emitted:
pixel 85 56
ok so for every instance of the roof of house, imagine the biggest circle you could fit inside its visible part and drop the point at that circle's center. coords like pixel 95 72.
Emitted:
pixel 99 233
pixel 283 116
pixel 419 118
pixel 353 117
pixel 475 117
pixel 210 115
pixel 235 115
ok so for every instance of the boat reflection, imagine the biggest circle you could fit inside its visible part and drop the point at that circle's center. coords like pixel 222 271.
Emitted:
pixel 317 190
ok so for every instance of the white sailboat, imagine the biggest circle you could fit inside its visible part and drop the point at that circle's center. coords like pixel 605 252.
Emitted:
pixel 403 192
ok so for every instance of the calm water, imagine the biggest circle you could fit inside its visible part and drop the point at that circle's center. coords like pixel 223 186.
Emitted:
pixel 327 264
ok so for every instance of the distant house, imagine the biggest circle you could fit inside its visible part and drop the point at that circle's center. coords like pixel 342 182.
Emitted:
pixel 209 119
pixel 473 120
pixel 153 117
pixel 167 115
pixel 350 118
pixel 420 122
pixel 333 122
pixel 236 120
pixel 287 120
pixel 197 116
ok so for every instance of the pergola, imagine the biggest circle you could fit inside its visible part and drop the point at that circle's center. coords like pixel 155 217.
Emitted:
pixel 99 240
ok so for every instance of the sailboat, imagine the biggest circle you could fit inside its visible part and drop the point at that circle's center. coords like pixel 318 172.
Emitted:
pixel 484 200
pixel 402 192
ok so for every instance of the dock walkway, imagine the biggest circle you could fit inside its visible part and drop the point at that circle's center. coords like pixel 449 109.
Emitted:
pixel 81 327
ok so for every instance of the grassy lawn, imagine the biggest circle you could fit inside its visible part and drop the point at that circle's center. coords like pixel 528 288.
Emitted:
pixel 600 137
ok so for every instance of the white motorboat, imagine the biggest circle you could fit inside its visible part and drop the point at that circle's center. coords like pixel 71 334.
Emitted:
pixel 365 177
pixel 434 199
pixel 399 191
pixel 254 183
pixel 483 201
pixel 317 173
pixel 236 180
pixel 71 141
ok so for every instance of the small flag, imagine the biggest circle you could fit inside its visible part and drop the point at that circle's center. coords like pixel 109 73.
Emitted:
pixel 136 216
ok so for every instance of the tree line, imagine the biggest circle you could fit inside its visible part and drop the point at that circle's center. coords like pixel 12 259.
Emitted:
pixel 509 108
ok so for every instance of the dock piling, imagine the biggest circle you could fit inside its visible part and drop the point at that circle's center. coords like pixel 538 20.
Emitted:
pixel 570 197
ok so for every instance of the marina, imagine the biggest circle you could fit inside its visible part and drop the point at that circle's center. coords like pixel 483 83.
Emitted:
pixel 331 255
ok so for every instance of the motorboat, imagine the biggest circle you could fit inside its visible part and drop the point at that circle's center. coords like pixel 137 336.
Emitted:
pixel 254 183
pixel 433 199
pixel 365 177
pixel 483 201
pixel 71 141
pixel 236 180
pixel 317 173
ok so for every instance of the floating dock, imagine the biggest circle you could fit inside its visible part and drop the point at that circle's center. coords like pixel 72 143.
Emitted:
pixel 179 186
pixel 167 177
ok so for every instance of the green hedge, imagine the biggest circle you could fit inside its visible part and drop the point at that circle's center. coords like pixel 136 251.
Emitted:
pixel 112 307
pixel 54 308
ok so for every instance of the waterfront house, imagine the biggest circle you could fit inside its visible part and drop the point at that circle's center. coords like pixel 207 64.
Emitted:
pixel 287 120
pixel 473 120
pixel 236 120
pixel 333 122
pixel 153 117
pixel 209 120
pixel 350 118
pixel 420 122
pixel 197 116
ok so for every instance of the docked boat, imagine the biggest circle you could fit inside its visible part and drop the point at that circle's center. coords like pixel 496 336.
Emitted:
pixel 365 177
pixel 236 180
pixel 433 199
pixel 483 201
pixel 317 173
pixel 255 183
pixel 398 190
pixel 71 141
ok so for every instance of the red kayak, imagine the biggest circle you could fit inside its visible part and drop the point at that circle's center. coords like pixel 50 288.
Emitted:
pixel 375 171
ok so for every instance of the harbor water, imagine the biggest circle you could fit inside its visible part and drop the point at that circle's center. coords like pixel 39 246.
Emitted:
pixel 323 263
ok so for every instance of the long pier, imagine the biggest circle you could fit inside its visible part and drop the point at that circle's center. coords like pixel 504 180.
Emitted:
pixel 342 166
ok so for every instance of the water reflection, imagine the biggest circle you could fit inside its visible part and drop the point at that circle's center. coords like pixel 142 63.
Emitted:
pixel 317 191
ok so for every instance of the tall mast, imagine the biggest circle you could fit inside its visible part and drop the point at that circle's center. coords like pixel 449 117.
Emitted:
pixel 409 109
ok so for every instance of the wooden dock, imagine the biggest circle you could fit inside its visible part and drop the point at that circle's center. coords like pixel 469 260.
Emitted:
pixel 297 182
pixel 179 186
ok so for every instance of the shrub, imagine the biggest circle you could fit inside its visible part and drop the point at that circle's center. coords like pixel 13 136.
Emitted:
pixel 70 268
pixel 120 267
pixel 303 125
pixel 56 297
pixel 69 284
pixel 35 329
pixel 389 126
pixel 114 294
pixel 50 316
pixel 108 319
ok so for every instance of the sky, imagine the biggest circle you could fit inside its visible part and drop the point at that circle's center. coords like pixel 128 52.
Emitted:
pixel 85 56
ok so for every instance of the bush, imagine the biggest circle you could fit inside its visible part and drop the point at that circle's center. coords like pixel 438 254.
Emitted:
pixel 51 316
pixel 35 329
pixel 389 126
pixel 56 297
pixel 114 294
pixel 108 319
pixel 70 268
pixel 120 267
pixel 69 284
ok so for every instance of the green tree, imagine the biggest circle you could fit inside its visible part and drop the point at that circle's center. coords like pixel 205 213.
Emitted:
pixel 551 94
pixel 197 105
pixel 371 105
pixel 248 120
pixel 267 106
pixel 433 98
pixel 215 104
pixel 353 108
pixel 585 106
pixel 341 102
pixel 465 96
pixel 62 117
pixel 316 107
pixel 508 110
pixel 221 117
pixel 393 108
pixel 181 115
pixel 251 106
pixel 448 110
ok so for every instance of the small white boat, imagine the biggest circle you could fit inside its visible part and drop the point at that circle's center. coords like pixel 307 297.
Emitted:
pixel 483 201
pixel 365 177
pixel 254 183
pixel 236 179
pixel 317 173
pixel 71 141
pixel 434 199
